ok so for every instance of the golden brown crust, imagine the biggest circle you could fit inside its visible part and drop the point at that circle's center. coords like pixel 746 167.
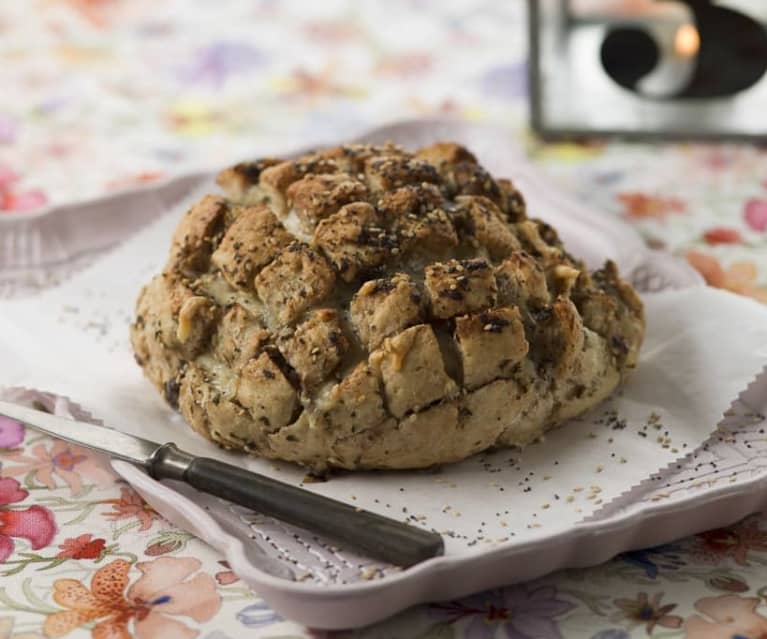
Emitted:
pixel 491 344
pixel 315 197
pixel 238 180
pixel 521 281
pixel 384 307
pixel 412 371
pixel 485 225
pixel 444 155
pixel 239 338
pixel 460 286
pixel 315 348
pixel 254 239
pixel 512 201
pixel 295 280
pixel 195 237
pixel 355 240
pixel 265 391
pixel 392 172
pixel 366 307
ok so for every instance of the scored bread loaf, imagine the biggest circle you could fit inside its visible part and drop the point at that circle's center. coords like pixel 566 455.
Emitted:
pixel 367 307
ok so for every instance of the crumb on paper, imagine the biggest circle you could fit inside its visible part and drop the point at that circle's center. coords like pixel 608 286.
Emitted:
pixel 370 572
pixel 311 478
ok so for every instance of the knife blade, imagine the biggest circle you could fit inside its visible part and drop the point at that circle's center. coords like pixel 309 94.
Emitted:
pixel 375 535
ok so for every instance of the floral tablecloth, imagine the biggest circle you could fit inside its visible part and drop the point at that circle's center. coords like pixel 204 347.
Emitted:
pixel 103 95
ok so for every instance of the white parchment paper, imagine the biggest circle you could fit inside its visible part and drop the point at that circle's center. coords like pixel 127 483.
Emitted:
pixel 702 348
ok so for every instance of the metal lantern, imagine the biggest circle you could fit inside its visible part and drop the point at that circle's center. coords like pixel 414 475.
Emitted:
pixel 649 68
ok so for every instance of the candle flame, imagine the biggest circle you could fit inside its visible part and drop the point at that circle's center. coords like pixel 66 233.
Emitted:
pixel 687 41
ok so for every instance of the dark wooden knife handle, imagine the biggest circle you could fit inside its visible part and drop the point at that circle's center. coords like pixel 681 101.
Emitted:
pixel 376 536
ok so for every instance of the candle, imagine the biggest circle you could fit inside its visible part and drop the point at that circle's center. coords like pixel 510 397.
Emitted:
pixel 687 41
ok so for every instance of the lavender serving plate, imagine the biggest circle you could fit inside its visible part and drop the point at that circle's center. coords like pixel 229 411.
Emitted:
pixel 313 582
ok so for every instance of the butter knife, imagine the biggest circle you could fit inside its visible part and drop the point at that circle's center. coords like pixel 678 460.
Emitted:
pixel 376 536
